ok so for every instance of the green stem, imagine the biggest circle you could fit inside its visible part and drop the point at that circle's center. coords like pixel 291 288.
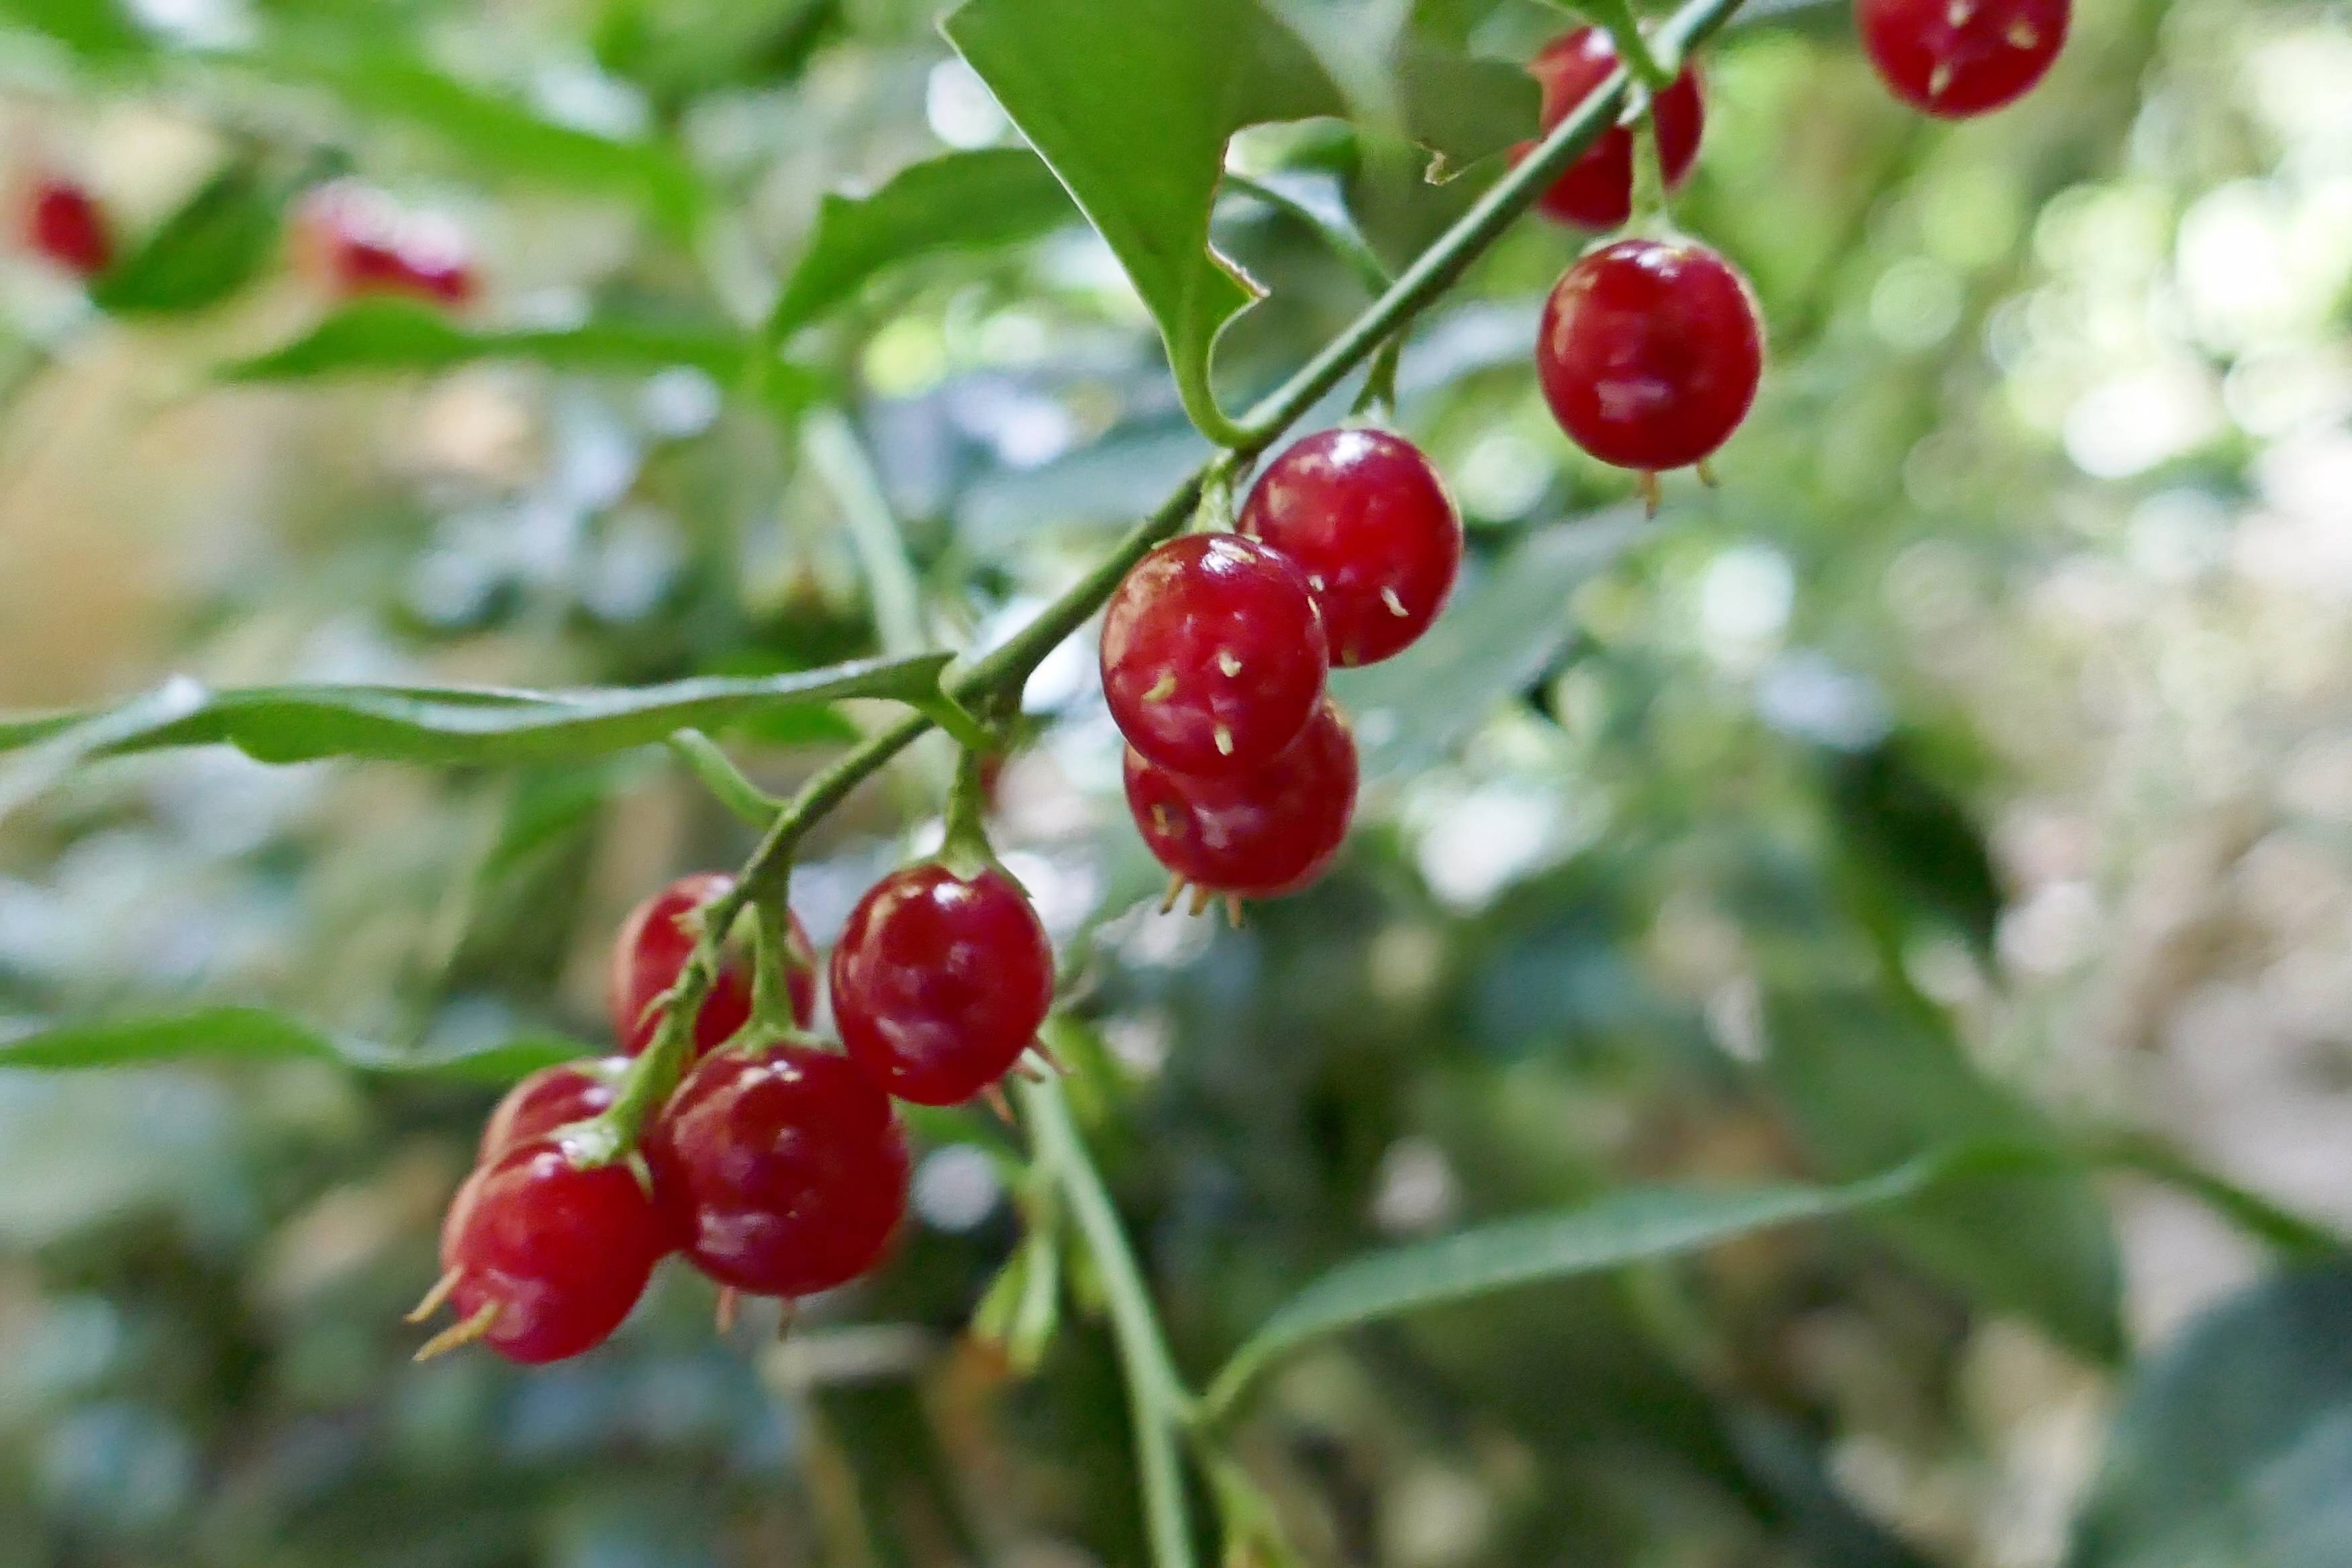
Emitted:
pixel 719 776
pixel 1616 18
pixel 840 460
pixel 1157 1402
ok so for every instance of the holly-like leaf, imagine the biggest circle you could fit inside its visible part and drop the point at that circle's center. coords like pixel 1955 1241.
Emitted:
pixel 208 249
pixel 257 1034
pixel 1637 1225
pixel 960 201
pixel 2235 1446
pixel 1502 631
pixel 477 725
pixel 1870 1082
pixel 405 335
pixel 1132 104
pixel 1461 107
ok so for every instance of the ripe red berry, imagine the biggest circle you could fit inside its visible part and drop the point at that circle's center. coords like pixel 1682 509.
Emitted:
pixel 1650 353
pixel 652 947
pixel 1212 657
pixel 787 1168
pixel 1364 515
pixel 63 224
pixel 1958 58
pixel 939 982
pixel 1260 835
pixel 544 1258
pixel 365 243
pixel 550 1098
pixel 1597 190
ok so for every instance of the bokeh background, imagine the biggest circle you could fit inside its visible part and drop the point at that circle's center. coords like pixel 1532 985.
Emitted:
pixel 2004 684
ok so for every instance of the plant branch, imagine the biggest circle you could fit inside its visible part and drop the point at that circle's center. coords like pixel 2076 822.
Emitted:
pixel 839 458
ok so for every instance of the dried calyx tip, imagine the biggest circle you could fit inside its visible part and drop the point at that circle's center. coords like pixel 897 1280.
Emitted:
pixel 460 1334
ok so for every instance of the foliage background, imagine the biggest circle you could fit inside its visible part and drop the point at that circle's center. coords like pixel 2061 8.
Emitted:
pixel 1998 701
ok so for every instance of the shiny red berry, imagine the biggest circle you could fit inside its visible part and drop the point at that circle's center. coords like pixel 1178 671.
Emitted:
pixel 1597 190
pixel 651 948
pixel 1364 515
pixel 63 224
pixel 1958 58
pixel 1212 657
pixel 1258 835
pixel 550 1098
pixel 364 242
pixel 1650 353
pixel 786 1166
pixel 939 982
pixel 544 1258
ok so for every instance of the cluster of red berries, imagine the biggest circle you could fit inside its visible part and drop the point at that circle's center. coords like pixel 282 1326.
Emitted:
pixel 777 1168
pixel 1241 770
pixel 352 238
pixel 1651 349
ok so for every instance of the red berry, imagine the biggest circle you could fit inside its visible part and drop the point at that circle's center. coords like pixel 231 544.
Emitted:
pixel 365 243
pixel 64 226
pixel 1259 834
pixel 1958 58
pixel 939 983
pixel 547 1257
pixel 651 948
pixel 1366 518
pixel 787 1166
pixel 550 1098
pixel 1597 190
pixel 1212 657
pixel 1650 353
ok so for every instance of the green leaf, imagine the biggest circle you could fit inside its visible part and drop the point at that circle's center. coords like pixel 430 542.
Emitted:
pixel 257 1034
pixel 1132 104
pixel 65 747
pixel 1907 828
pixel 961 201
pixel 1636 1224
pixel 1870 1083
pixel 474 725
pixel 97 30
pixel 218 240
pixel 497 135
pixel 1464 108
pixel 404 335
pixel 2235 1448
pixel 1502 631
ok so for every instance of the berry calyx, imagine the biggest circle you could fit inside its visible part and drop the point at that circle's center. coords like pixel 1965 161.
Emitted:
pixel 653 946
pixel 63 224
pixel 1953 58
pixel 786 1167
pixel 1650 353
pixel 1597 190
pixel 1365 516
pixel 543 1258
pixel 1259 834
pixel 1212 655
pixel 939 982
pixel 550 1098
pixel 364 242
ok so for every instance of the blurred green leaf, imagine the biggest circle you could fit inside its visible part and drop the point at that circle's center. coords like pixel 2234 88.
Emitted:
pixel 257 1034
pixel 1132 105
pixel 1502 630
pixel 499 135
pixel 960 201
pixel 97 30
pixel 1632 1225
pixel 455 724
pixel 1905 828
pixel 1870 1082
pixel 211 246
pixel 1461 107
pixel 2235 1446
pixel 402 335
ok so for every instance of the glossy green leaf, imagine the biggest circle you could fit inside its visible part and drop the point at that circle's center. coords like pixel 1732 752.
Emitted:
pixel 211 246
pixel 257 1034
pixel 487 725
pixel 499 135
pixel 1502 630
pixel 960 201
pixel 2234 1447
pixel 1132 104
pixel 404 335
pixel 1870 1082
pixel 1632 1225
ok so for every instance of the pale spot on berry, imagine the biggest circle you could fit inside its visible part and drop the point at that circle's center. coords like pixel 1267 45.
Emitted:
pixel 1224 742
pixel 1959 12
pixel 1162 688
pixel 1228 665
pixel 1939 79
pixel 2023 35
pixel 1395 604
